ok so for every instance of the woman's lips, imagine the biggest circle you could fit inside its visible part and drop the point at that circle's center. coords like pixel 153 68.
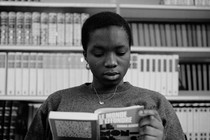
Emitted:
pixel 111 75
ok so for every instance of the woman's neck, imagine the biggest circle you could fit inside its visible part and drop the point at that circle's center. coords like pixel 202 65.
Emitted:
pixel 105 89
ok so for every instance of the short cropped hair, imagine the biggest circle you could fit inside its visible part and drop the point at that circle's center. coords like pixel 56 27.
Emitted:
pixel 103 20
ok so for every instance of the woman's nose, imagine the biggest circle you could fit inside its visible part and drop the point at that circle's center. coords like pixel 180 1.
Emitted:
pixel 111 60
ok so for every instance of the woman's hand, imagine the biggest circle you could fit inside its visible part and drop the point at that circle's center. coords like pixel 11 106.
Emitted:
pixel 151 127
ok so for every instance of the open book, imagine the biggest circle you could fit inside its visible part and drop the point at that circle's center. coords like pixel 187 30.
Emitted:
pixel 104 124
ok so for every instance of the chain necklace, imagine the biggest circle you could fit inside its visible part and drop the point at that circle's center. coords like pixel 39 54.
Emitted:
pixel 100 101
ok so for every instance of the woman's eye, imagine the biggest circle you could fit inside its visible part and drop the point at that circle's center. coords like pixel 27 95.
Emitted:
pixel 121 52
pixel 98 53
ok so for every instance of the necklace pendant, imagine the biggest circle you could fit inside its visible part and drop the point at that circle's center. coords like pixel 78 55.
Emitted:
pixel 101 102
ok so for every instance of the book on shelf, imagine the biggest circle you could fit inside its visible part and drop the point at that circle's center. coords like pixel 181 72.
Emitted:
pixel 157 34
pixel 60 29
pixel 134 29
pixel 20 28
pixel 204 35
pixel 18 73
pixel 173 35
pixel 146 34
pixel 40 74
pixel 141 37
pixel 179 35
pixel 69 29
pixel 36 26
pixel 168 35
pixel 3 66
pixel 104 123
pixel 52 28
pixel 4 28
pixel 152 34
pixel 12 28
pixel 32 74
pixel 27 28
pixel 162 34
pixel 26 74
pixel 44 28
pixel 189 35
pixel 184 35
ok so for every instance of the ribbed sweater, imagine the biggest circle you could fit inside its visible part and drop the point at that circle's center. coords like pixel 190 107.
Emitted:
pixel 83 99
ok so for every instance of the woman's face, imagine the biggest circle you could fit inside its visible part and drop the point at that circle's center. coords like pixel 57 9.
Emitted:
pixel 108 54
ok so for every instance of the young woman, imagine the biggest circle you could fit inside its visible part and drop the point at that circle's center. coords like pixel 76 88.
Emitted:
pixel 106 41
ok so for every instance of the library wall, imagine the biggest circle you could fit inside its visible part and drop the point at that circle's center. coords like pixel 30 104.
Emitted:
pixel 40 53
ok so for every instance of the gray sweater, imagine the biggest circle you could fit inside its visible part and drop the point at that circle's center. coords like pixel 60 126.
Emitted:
pixel 83 99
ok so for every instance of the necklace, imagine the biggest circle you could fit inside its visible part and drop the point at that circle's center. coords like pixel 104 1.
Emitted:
pixel 100 101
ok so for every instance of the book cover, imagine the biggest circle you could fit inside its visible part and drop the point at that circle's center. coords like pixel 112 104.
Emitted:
pixel 104 123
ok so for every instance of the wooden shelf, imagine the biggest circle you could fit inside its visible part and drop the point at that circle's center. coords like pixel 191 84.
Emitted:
pixel 42 98
pixel 88 7
pixel 184 52
pixel 164 12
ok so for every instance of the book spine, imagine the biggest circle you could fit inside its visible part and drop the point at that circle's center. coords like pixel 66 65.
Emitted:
pixel 4 28
pixel 69 29
pixel 3 65
pixel 19 28
pixel 18 73
pixel 26 74
pixel 11 74
pixel 27 28
pixel 44 28
pixel 12 28
pixel 33 74
pixel 40 74
pixel 61 29
pixel 52 29
pixel 76 29
pixel 36 35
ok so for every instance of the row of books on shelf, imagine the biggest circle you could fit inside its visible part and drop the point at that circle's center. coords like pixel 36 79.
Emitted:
pixel 40 74
pixel 186 2
pixel 195 120
pixel 171 34
pixel 16 117
pixel 35 28
pixel 12 126
pixel 195 76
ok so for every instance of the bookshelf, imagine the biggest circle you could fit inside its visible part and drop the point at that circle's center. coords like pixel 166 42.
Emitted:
pixel 134 11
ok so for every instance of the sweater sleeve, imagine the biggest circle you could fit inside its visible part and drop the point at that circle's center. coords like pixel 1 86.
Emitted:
pixel 172 126
pixel 39 128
